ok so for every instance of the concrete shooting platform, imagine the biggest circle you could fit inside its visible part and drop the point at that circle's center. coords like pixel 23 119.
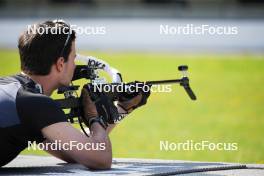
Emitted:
pixel 45 165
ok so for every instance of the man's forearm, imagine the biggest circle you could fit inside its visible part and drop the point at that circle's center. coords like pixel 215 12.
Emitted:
pixel 110 128
pixel 100 135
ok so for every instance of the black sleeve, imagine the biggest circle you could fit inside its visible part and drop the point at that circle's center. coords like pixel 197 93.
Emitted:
pixel 37 111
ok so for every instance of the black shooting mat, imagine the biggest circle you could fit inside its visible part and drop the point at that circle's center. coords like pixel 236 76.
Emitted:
pixel 43 165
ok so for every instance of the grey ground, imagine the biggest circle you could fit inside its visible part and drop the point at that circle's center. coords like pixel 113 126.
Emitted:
pixel 42 165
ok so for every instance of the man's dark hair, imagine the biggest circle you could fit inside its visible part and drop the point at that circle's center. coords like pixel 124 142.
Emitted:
pixel 42 44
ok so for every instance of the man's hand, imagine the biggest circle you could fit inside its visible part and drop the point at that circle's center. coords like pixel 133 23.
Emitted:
pixel 89 108
pixel 98 105
pixel 90 113
pixel 131 101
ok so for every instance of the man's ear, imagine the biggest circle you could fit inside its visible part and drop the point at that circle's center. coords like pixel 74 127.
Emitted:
pixel 59 64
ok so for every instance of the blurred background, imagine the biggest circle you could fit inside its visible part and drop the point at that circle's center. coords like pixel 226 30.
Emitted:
pixel 226 71
pixel 127 22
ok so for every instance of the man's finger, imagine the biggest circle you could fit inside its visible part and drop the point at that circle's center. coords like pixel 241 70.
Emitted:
pixel 133 102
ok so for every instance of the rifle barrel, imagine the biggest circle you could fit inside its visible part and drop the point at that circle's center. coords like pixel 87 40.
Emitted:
pixel 170 81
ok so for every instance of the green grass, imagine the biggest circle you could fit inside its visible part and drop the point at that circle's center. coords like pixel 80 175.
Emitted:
pixel 229 107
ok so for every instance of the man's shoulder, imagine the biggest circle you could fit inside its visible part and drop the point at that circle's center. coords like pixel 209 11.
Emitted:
pixel 9 87
pixel 7 80
pixel 29 95
pixel 18 85
pixel 37 110
pixel 35 101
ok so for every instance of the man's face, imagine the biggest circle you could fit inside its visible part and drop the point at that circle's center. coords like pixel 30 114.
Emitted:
pixel 69 67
